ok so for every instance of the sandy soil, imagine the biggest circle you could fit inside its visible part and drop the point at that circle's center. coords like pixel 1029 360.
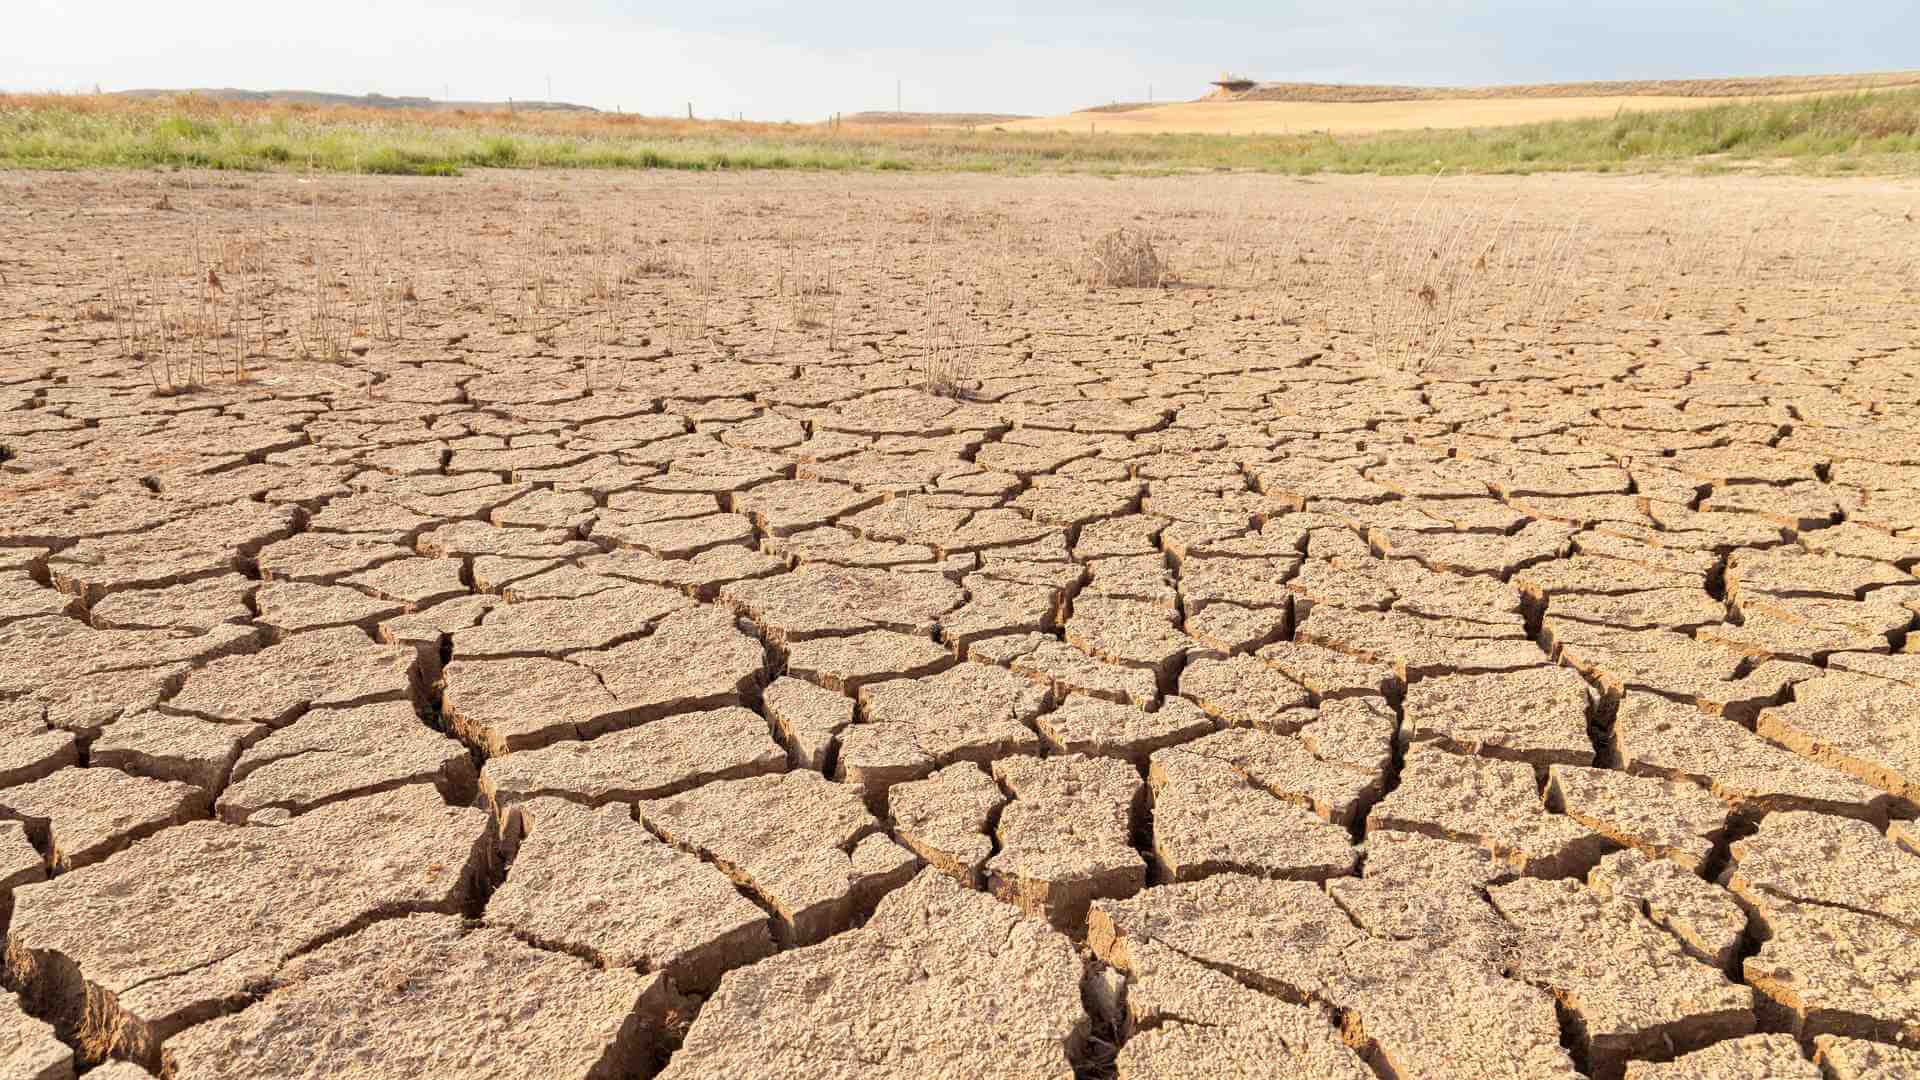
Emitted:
pixel 581 625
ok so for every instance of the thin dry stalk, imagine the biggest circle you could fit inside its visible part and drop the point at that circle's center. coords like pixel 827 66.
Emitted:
pixel 946 362
pixel 1422 277
pixel 1551 288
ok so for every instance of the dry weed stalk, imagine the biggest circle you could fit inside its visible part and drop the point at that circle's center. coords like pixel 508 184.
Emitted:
pixel 1235 244
pixel 1421 278
pixel 374 286
pixel 1550 289
pixel 168 319
pixel 324 330
pixel 142 324
pixel 703 268
pixel 946 363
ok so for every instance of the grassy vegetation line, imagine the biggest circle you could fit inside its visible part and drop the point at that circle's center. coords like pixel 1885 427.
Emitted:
pixel 1877 132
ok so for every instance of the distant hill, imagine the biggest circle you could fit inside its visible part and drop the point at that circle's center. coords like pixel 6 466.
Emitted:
pixel 365 101
pixel 929 119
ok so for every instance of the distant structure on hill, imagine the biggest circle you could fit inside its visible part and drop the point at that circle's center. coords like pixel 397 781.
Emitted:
pixel 1234 84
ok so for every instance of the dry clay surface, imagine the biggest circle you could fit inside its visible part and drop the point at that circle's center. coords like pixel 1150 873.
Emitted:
pixel 1185 692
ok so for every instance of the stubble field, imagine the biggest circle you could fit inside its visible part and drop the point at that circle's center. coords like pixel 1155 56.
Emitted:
pixel 1357 117
pixel 606 625
pixel 1346 109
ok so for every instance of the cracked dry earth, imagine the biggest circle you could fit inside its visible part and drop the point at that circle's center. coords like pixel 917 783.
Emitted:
pixel 1194 695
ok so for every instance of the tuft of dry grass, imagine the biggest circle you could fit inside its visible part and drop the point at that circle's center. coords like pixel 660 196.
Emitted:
pixel 1123 258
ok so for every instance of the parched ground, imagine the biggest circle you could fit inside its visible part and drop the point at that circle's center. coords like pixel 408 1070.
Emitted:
pixel 610 626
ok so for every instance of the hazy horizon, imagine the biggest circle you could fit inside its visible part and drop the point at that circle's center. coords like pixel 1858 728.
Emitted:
pixel 772 62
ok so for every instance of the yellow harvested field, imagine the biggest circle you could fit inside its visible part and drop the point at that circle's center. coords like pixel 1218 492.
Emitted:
pixel 1354 117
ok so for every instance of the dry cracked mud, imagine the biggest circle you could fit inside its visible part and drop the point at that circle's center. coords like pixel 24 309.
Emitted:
pixel 731 626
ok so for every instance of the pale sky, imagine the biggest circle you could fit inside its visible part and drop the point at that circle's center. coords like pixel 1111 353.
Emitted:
pixel 788 61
